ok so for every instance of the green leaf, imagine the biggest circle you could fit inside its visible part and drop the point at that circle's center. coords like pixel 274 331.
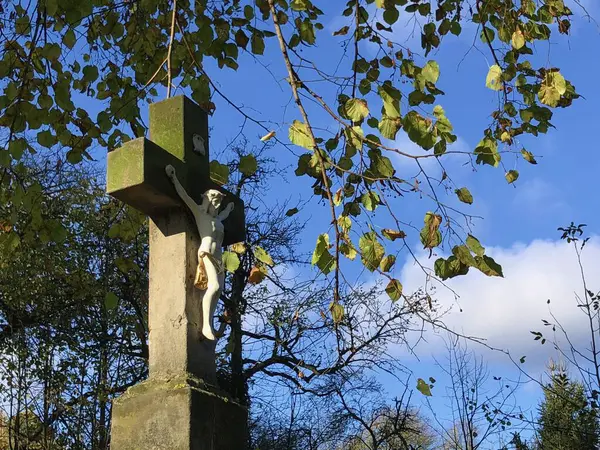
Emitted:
pixel 419 130
pixel 299 135
pixel 231 261
pixel 371 250
pixel 22 25
pixel 449 268
pixel 299 5
pixel 511 176
pixel 344 223
pixel 528 156
pixel 46 139
pixel 370 200
pixel 74 157
pixel 474 245
pixel 337 312
pixel 553 86
pixel 487 35
pixel 431 71
pixel 261 255
pixel 487 152
pixel 241 39
pixel 249 12
pixel 52 51
pixel 111 301
pixel 356 109
pixel 354 136
pixel 494 78
pixel 463 254
pixel 307 32
pixel 391 100
pixel 290 212
pixel 390 15
pixel 347 249
pixel 90 73
pixel 51 7
pixel 389 127
pixel 257 44
pixel 518 39
pixel 58 233
pixel 62 95
pixel 394 290
pixel 387 263
pixel 488 266
pixel 248 165
pixel 69 38
pixel 380 165
pixel 17 147
pixel 321 256
pixel 423 387
pixel 45 101
pixel 464 195
pixel 430 234
pixel 219 173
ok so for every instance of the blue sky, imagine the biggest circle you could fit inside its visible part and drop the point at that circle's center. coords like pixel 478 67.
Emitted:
pixel 519 221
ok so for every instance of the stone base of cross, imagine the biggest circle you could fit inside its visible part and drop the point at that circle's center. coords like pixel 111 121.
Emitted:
pixel 179 407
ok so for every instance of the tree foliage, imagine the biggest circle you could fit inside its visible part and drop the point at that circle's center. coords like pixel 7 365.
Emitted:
pixel 72 310
pixel 566 419
pixel 77 75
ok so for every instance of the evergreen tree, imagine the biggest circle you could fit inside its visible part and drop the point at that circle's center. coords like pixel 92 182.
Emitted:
pixel 567 422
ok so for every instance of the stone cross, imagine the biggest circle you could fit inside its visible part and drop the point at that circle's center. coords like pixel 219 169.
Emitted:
pixel 182 373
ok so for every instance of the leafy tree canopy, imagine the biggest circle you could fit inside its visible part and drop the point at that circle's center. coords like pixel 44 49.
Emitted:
pixel 77 75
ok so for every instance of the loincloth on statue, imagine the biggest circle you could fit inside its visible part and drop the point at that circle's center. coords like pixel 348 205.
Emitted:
pixel 201 281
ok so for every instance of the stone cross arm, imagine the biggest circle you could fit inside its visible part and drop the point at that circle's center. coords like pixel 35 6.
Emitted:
pixel 136 171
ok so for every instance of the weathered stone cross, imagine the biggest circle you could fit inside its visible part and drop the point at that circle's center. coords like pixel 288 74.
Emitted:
pixel 178 407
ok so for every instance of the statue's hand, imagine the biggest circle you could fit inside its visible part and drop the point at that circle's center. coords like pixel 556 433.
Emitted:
pixel 170 170
pixel 229 208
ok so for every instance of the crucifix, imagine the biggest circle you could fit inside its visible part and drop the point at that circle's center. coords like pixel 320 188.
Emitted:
pixel 167 177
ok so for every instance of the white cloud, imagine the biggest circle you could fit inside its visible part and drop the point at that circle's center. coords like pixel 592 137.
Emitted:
pixel 505 310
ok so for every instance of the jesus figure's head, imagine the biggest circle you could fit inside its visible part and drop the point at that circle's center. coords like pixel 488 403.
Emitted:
pixel 215 198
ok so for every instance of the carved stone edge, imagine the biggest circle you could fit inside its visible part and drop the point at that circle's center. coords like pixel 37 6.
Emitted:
pixel 183 381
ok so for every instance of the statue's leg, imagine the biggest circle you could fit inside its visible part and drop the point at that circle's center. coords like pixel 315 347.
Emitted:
pixel 210 298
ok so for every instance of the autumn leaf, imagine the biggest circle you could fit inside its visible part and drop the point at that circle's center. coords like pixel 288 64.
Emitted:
pixel 257 274
pixel 268 136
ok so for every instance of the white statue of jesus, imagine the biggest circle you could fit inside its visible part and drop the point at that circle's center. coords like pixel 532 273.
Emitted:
pixel 210 275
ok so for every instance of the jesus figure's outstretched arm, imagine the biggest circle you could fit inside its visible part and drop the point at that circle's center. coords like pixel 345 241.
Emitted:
pixel 191 204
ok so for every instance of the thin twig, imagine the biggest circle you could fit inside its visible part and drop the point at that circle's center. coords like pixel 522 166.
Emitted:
pixel 294 82
pixel 173 21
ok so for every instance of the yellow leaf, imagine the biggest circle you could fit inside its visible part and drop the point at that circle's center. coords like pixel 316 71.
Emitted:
pixel 392 235
pixel 494 78
pixel 239 248
pixel 505 137
pixel 337 312
pixel 518 39
pixel 337 198
pixel 257 274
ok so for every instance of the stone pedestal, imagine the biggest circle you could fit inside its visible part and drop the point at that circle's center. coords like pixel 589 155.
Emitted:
pixel 177 414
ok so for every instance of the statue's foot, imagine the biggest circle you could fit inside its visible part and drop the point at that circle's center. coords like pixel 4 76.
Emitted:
pixel 209 333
